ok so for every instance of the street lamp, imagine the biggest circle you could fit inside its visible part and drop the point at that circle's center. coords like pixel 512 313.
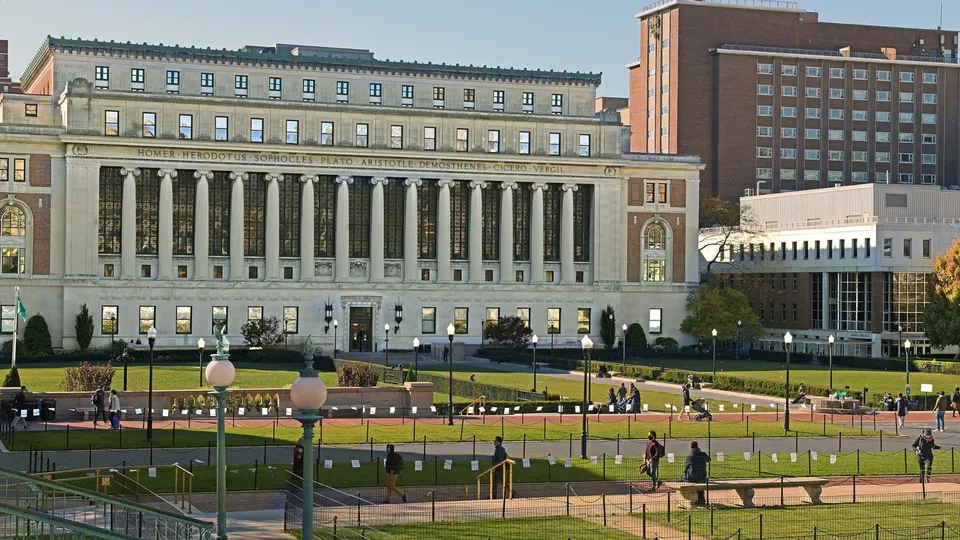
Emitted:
pixel 152 340
pixel 552 329
pixel 200 345
pixel 714 332
pixel 450 331
pixel 586 344
pixel 126 360
pixel 830 355
pixel 336 323
pixel 900 339
pixel 308 394
pixel 416 356
pixel 220 374
pixel 906 349
pixel 327 316
pixel 623 367
pixel 534 340
pixel 397 317
pixel 739 326
pixel 386 344
pixel 787 340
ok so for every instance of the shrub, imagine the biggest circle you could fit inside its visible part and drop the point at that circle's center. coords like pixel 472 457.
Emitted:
pixel 21 348
pixel 608 326
pixel 84 327
pixel 411 374
pixel 636 337
pixel 357 375
pixel 36 336
pixel 262 333
pixel 663 343
pixel 116 347
pixel 508 332
pixel 87 377
pixel 12 380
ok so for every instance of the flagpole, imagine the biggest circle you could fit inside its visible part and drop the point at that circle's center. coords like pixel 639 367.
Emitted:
pixel 16 325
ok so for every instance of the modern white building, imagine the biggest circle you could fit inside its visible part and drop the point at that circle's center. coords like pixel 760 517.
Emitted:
pixel 851 261
pixel 188 187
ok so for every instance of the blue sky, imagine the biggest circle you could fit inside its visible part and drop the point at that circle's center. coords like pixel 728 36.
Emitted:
pixel 574 35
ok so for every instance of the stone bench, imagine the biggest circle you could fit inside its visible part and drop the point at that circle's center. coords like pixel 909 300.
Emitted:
pixel 746 488
pixel 87 412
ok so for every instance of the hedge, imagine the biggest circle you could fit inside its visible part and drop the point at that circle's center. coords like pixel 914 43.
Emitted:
pixel 173 356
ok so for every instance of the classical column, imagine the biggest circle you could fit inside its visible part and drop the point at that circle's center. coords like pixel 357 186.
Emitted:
pixel 236 225
pixel 475 230
pixel 342 237
pixel 128 224
pixel 443 232
pixel 411 225
pixel 536 234
pixel 506 231
pixel 201 225
pixel 376 228
pixel 165 220
pixel 566 235
pixel 307 272
pixel 273 225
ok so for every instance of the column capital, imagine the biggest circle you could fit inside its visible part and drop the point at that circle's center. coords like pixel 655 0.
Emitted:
pixel 540 186
pixel 413 182
pixel 382 180
pixel 236 175
pixel 508 184
pixel 344 179
pixel 446 182
pixel 570 187
pixel 270 177
pixel 130 170
pixel 203 175
pixel 172 173
pixel 477 184
pixel 305 178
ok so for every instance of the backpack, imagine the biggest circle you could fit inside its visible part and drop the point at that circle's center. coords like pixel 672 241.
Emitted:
pixel 97 398
pixel 661 451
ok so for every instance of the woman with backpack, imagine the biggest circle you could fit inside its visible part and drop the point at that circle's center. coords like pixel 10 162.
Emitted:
pixel 924 446
pixel 651 460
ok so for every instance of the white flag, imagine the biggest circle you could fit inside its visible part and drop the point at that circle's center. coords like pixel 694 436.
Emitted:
pixel 720 456
pixel 418 465
pixel 328 464
pixel 474 465
pixel 746 456
pixel 618 460
pixel 355 463
pixel 447 464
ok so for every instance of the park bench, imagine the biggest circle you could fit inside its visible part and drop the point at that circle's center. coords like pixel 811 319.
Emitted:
pixel 746 488
pixel 86 412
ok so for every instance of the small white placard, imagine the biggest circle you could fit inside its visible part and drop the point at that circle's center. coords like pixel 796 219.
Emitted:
pixel 720 456
pixel 629 407
pixel 833 459
pixel 355 463
pixel 373 410
pixel 483 409
pixel 506 410
pixel 289 411
pixel 36 412
pixel 184 412
pixel 568 463
pixel 474 465
pixel 393 410
pixel 793 457
pixel 773 406
pixel 418 465
pixel 264 411
pixel 593 460
pixel 447 464
pixel 686 408
pixel 138 411
pixel 551 460
pixel 813 455
pixel 469 410
pixel 493 409
pixel 239 411
pixel 736 405
pixel 328 464
pixel 774 458
pixel 198 461
pixel 115 471
pixel 433 409
pixel 213 413
pixel 618 459
pixel 23 413
pixel 152 472
pixel 753 406
pixel 646 407
pixel 165 413
pixel 746 456
pixel 721 408
pixel 414 410
pixel 612 408
pixel 560 409
pixel 539 409
pixel 576 409
pixel 670 457
pixel 526 463
pixel 926 387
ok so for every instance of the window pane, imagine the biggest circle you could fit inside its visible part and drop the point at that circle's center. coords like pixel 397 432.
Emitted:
pixel 461 322
pixel 428 320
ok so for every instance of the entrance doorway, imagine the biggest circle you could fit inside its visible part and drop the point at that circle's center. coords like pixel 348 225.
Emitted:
pixel 361 323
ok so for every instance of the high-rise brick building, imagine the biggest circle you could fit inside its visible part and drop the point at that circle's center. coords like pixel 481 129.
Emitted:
pixel 7 85
pixel 763 91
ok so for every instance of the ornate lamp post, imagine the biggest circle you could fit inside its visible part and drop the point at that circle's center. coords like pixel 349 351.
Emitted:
pixel 830 355
pixel 533 341
pixel 787 340
pixel 386 344
pixel 397 317
pixel 714 333
pixel 308 394
pixel 200 346
pixel 906 350
pixel 327 316
pixel 220 374
pixel 623 361
pixel 586 344
pixel 152 340
pixel 450 331
pixel 416 356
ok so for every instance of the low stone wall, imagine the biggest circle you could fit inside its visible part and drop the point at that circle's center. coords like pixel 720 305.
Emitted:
pixel 412 394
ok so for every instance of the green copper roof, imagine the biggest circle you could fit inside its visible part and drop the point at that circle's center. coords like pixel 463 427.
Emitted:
pixel 224 55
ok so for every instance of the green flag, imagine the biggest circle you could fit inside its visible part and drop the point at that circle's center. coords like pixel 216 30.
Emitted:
pixel 22 311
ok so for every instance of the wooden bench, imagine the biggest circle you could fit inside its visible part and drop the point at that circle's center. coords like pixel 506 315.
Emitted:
pixel 746 488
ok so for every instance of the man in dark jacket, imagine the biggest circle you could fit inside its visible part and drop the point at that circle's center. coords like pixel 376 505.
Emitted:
pixel 393 467
pixel 955 401
pixel 99 411
pixel 499 456
pixel 695 469
pixel 651 458
pixel 20 404
pixel 902 405
pixel 924 446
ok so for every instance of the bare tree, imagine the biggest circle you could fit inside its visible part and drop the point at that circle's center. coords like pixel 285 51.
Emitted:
pixel 723 225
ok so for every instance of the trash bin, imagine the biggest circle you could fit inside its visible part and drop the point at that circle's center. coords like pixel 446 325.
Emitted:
pixel 48 410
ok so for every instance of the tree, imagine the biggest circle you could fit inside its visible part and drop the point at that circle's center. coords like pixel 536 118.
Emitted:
pixel 262 332
pixel 723 224
pixel 636 336
pixel 12 380
pixel 608 326
pixel 712 306
pixel 508 332
pixel 84 327
pixel 941 317
pixel 87 377
pixel 36 336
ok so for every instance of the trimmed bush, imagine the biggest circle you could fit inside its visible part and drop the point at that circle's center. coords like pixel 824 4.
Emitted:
pixel 83 327
pixel 358 374
pixel 12 380
pixel 87 377
pixel 636 336
pixel 36 335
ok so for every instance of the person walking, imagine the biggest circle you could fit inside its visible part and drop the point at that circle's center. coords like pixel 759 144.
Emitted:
pixel 636 400
pixel 446 353
pixel 924 446
pixel 114 410
pixel 695 469
pixel 393 467
pixel 622 392
pixel 955 401
pixel 901 405
pixel 940 407
pixel 499 456
pixel 651 460
pixel 20 405
pixel 99 408
pixel 686 403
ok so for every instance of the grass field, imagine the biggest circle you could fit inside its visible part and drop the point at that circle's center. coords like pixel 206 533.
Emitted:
pixel 526 528
pixel 911 519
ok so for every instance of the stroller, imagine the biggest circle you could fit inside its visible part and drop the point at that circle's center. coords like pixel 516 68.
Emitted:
pixel 699 406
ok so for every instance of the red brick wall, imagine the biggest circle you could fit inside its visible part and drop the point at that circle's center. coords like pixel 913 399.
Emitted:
pixel 635 237
pixel 762 290
pixel 39 173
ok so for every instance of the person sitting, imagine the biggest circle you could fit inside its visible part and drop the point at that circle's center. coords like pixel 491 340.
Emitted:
pixel 602 372
pixel 473 378
pixel 801 394
pixel 695 469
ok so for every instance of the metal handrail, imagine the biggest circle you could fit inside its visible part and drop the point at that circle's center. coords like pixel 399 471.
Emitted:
pixel 182 481
pixel 507 486
pixel 475 404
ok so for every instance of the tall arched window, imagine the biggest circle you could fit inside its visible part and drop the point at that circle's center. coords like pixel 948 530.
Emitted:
pixel 655 253
pixel 13 232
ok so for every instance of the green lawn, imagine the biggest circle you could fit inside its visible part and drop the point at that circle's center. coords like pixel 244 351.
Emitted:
pixel 910 519
pixel 550 528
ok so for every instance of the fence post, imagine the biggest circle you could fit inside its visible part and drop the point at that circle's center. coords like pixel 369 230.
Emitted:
pixel 668 507
pixel 544 429
pixel 839 441
pixel 68 437
pixel 781 490
pixel 90 456
pixel 628 427
pixel 670 424
pixel 567 487
pixel 689 526
pixel 858 461
pixel 436 470
pixel 711 520
pixel 433 506
pixel 334 527
pixel 904 461
pixel 824 425
pixel 881 440
pixel 474 446
pixel 524 445
pixel 877 531
pixel 759 464
pixel 604 468
pixel 603 497
pixel 173 442
pixel 414 427
pixel 256 473
pixel 943 529
pixel 571 445
pixel 761 526
pixel 854 489
pixel 643 521
pixel 951 460
pixel 358 509
pixel 631 497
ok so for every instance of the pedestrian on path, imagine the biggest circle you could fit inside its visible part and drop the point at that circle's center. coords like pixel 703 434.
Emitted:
pixel 651 460
pixel 499 456
pixel 941 409
pixel 686 403
pixel 695 469
pixel 801 393
pixel 924 446
pixel 612 397
pixel 622 392
pixel 20 405
pixel 955 401
pixel 99 408
pixel 393 467
pixel 636 399
pixel 114 410
pixel 902 405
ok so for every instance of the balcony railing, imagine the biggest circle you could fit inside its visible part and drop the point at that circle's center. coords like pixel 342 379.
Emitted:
pixel 777 4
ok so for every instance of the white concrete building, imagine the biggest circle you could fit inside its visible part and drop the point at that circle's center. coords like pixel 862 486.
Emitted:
pixel 852 261
pixel 183 187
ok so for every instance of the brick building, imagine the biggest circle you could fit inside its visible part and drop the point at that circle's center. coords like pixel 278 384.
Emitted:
pixel 767 94
pixel 7 85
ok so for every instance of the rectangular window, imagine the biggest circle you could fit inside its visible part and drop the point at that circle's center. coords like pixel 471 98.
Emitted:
pixel 788 174
pixel 859 136
pixel 812 92
pixel 111 123
pixel 309 86
pixel 905 158
pixel 811 112
pixel 498 99
pixel 788 133
pixel 906 178
pixel 836 93
pixel 493 141
pixel 528 102
pixel 583 321
pixel 584 147
pixel 883 95
pixel 813 71
pixel 30 110
pixel 254 313
pixel 396 137
pixel 343 91
pixel 835 155
pixel 906 118
pixel 206 84
pixel 888 247
pixel 811 174
pixel 109 323
pixel 764 152
pixel 763 172
pixel 376 90
pixel 836 73
pixel 906 97
pixel 859 95
pixel 883 116
pixel 656 321
pixel 883 75
pixel 764 131
pixel 137 75
pixel 764 89
pixel 554 148
pixel 186 126
pixel 102 73
pixel 291 319
pixel 553 320
pixel 147 319
pixel 406 95
pixel 184 319
pixel 929 119
pixel 765 69
pixel 764 110
pixel 835 134
pixel 524 315
pixel 326 133
pixel 256 130
pixel 789 91
pixel 219 318
pixel 908 247
pixel 786 112
pixel 429 138
pixel 788 70
pixel 928 138
pixel 811 154
pixel 173 78
pixel 859 116
pixel 148 125
pixel 930 78
pixel 906 76
pixel 463 140
pixel 556 101
pixel 836 114
pixel 461 320
pixel 428 320
pixel 439 93
pixel 240 82
pixel 860 75
pixel 469 97
pixel 293 132
pixel 524 142
pixel 928 159
pixel 362 140
pixel 905 137
pixel 221 128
